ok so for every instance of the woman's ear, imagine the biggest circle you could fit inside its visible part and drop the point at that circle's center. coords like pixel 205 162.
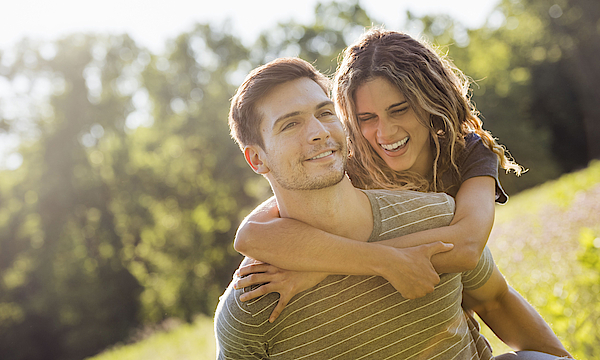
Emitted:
pixel 255 158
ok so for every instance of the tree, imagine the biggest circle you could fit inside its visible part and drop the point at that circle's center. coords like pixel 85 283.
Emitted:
pixel 125 207
pixel 565 78
pixel 534 69
pixel 57 236
pixel 131 187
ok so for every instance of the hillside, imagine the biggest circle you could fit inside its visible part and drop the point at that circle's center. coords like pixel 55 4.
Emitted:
pixel 546 242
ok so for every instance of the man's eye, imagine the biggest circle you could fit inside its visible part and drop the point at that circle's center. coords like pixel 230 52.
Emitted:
pixel 365 118
pixel 289 125
pixel 326 113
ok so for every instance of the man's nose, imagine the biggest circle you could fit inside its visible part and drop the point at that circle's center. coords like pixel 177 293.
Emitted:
pixel 317 131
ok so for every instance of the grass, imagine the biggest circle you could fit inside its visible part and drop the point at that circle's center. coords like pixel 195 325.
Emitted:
pixel 546 241
pixel 194 341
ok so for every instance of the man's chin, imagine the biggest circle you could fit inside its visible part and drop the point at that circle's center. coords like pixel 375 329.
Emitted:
pixel 326 182
pixel 311 184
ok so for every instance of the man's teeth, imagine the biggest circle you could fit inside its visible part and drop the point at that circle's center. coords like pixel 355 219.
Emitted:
pixel 396 145
pixel 326 153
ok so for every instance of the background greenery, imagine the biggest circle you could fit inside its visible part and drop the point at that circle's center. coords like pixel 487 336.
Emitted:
pixel 124 208
pixel 553 263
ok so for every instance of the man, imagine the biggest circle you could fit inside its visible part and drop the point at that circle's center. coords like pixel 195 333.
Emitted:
pixel 289 132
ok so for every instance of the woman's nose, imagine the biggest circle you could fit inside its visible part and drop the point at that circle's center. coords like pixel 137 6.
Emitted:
pixel 385 128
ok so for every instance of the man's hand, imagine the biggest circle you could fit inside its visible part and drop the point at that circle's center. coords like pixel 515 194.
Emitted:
pixel 273 279
pixel 410 270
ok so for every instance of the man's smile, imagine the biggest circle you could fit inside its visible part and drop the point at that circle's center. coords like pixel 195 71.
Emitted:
pixel 322 155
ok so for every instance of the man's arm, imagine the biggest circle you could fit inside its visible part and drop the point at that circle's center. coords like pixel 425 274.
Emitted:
pixel 511 317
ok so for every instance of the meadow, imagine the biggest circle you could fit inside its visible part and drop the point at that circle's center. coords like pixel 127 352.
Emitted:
pixel 546 241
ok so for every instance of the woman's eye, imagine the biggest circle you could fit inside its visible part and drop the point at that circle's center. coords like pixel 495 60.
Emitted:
pixel 365 118
pixel 400 111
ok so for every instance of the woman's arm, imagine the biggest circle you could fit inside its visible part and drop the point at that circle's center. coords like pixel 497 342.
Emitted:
pixel 511 317
pixel 470 229
pixel 293 245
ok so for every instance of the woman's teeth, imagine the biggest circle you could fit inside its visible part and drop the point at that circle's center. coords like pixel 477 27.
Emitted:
pixel 396 145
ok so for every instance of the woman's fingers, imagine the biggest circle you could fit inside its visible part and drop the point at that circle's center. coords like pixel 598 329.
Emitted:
pixel 258 292
pixel 281 304
pixel 253 279
pixel 253 268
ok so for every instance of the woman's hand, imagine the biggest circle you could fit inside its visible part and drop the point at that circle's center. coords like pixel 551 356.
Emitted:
pixel 411 272
pixel 273 279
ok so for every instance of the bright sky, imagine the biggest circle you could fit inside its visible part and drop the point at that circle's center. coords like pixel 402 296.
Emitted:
pixel 151 22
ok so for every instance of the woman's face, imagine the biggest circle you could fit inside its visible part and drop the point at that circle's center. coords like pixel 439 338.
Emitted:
pixel 392 128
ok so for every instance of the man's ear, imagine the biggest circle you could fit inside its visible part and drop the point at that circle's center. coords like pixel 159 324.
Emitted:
pixel 254 157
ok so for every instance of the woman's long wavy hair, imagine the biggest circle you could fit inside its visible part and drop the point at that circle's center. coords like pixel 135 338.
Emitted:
pixel 436 90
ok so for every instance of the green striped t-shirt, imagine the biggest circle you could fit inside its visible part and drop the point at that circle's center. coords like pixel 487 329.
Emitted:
pixel 363 317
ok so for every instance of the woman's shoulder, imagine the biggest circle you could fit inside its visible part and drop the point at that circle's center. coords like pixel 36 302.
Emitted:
pixel 472 139
pixel 474 150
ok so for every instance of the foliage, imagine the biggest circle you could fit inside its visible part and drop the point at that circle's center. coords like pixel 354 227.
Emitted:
pixel 124 208
pixel 564 292
pixel 534 65
pixel 193 341
pixel 546 242
pixel 131 188
pixel 57 235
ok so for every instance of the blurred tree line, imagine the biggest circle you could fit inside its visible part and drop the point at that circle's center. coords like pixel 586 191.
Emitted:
pixel 130 191
pixel 536 70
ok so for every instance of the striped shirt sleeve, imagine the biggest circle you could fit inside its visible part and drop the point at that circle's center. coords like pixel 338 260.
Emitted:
pixel 237 331
pixel 475 278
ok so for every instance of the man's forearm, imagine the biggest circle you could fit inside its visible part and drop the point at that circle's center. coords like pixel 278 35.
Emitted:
pixel 519 325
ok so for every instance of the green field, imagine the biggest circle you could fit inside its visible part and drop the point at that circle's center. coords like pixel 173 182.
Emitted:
pixel 546 241
pixel 194 341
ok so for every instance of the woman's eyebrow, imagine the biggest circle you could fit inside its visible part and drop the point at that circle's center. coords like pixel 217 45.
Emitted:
pixel 394 105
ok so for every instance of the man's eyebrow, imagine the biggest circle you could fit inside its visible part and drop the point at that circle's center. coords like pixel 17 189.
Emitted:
pixel 295 113
pixel 324 103
pixel 284 117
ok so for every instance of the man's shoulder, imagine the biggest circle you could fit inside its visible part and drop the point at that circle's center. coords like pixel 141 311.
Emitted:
pixel 401 212
pixel 411 199
pixel 240 327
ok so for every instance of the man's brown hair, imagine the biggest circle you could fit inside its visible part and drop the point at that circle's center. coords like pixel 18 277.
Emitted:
pixel 244 119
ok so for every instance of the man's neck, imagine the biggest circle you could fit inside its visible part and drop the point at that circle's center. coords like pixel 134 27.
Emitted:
pixel 340 209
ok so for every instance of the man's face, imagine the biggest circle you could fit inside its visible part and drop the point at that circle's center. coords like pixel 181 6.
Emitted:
pixel 305 143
